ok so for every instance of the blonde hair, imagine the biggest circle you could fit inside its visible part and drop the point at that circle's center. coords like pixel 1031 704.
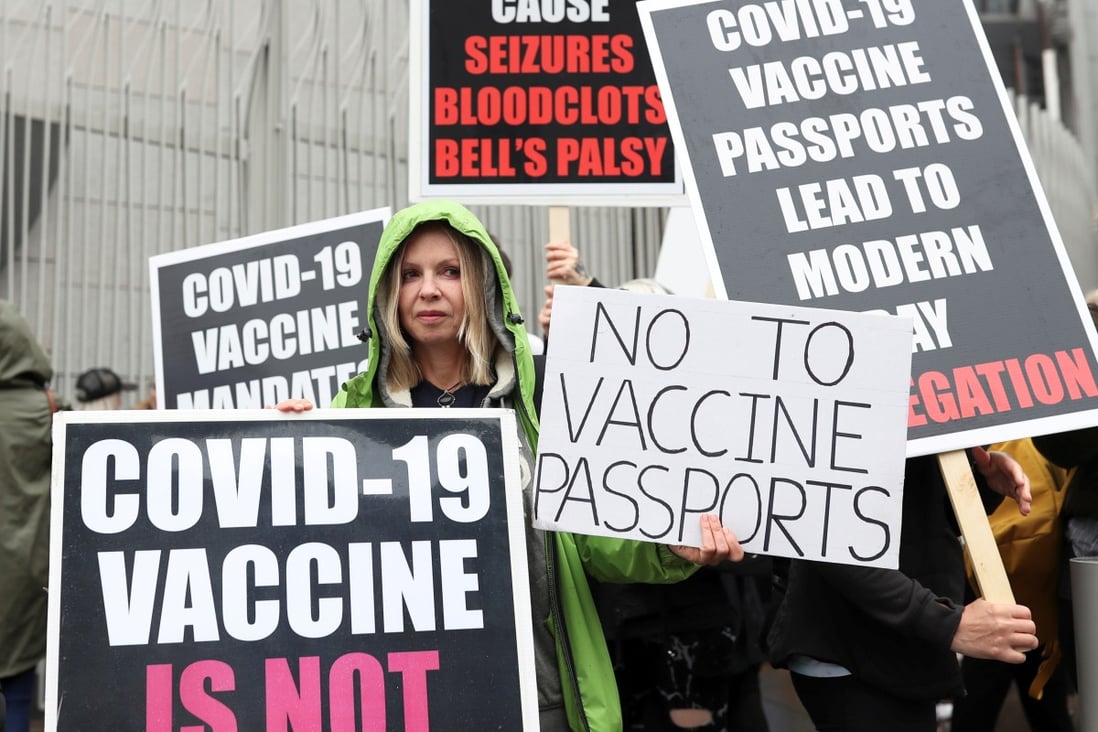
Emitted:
pixel 103 404
pixel 475 332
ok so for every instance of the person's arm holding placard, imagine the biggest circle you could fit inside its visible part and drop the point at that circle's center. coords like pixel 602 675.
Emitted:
pixel 895 633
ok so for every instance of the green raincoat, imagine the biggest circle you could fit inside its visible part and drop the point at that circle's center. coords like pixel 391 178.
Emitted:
pixel 25 451
pixel 587 677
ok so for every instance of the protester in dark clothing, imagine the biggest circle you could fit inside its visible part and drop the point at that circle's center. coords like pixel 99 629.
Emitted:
pixel 1076 449
pixel 26 407
pixel 1030 549
pixel 1079 515
pixel 689 655
pixel 100 389
pixel 869 645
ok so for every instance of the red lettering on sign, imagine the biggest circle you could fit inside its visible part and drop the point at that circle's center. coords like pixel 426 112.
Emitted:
pixel 545 54
pixel 980 389
pixel 536 164
pixel 512 106
pixel 610 157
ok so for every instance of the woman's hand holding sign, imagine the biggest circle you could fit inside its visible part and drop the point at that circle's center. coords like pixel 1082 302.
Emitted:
pixel 293 405
pixel 719 544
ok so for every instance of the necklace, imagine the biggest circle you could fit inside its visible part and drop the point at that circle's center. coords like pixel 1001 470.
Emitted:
pixel 446 399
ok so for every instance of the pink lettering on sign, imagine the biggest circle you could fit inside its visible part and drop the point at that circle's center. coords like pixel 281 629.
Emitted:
pixel 160 696
pixel 414 666
pixel 372 685
pixel 192 692
pixel 290 706
pixel 296 704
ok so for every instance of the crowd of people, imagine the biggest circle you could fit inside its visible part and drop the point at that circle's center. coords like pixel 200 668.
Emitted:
pixel 632 635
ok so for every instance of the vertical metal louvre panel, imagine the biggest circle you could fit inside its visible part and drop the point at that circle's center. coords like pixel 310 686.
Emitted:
pixel 134 127
pixel 1068 181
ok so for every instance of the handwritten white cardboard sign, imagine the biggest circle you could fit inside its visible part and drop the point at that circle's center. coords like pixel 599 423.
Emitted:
pixel 788 422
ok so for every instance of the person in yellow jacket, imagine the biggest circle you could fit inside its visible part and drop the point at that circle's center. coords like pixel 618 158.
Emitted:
pixel 1030 547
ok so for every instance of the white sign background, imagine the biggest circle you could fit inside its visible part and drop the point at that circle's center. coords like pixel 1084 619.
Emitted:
pixel 788 422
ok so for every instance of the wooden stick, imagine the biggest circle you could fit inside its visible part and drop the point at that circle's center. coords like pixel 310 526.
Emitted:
pixel 560 228
pixel 987 565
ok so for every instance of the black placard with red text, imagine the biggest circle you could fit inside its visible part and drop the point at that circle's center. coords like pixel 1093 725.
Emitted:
pixel 517 99
pixel 342 570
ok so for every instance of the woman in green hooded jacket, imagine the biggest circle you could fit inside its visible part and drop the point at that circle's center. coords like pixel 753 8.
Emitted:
pixel 444 330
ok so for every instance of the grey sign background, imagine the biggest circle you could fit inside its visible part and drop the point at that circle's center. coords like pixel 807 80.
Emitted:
pixel 1028 304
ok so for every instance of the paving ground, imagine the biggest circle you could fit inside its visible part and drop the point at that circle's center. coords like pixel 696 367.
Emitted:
pixel 784 712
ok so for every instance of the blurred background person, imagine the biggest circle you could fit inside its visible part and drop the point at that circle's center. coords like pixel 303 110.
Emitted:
pixel 26 448
pixel 537 343
pixel 100 389
pixel 149 402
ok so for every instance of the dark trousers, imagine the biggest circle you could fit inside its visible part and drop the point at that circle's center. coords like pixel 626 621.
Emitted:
pixel 653 681
pixel 987 683
pixel 18 691
pixel 844 704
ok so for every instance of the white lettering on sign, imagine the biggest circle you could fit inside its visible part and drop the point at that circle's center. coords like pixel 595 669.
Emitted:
pixel 834 203
pixel 838 72
pixel 170 485
pixel 921 257
pixel 265 280
pixel 761 24
pixel 550 11
pixel 383 581
pixel 281 337
pixel 778 424
pixel 825 139
pixel 319 385
pixel 171 490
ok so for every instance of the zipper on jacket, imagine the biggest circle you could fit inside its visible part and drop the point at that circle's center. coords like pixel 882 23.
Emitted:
pixel 557 612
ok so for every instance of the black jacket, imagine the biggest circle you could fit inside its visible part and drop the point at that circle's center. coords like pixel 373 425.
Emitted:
pixel 891 628
pixel 1075 449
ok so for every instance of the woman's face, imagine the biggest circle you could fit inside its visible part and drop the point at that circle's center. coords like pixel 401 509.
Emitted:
pixel 431 304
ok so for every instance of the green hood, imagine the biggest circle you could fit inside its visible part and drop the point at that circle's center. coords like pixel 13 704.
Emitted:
pixel 361 391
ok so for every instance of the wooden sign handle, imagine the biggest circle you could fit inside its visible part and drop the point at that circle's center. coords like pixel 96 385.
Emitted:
pixel 560 228
pixel 560 225
pixel 987 566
